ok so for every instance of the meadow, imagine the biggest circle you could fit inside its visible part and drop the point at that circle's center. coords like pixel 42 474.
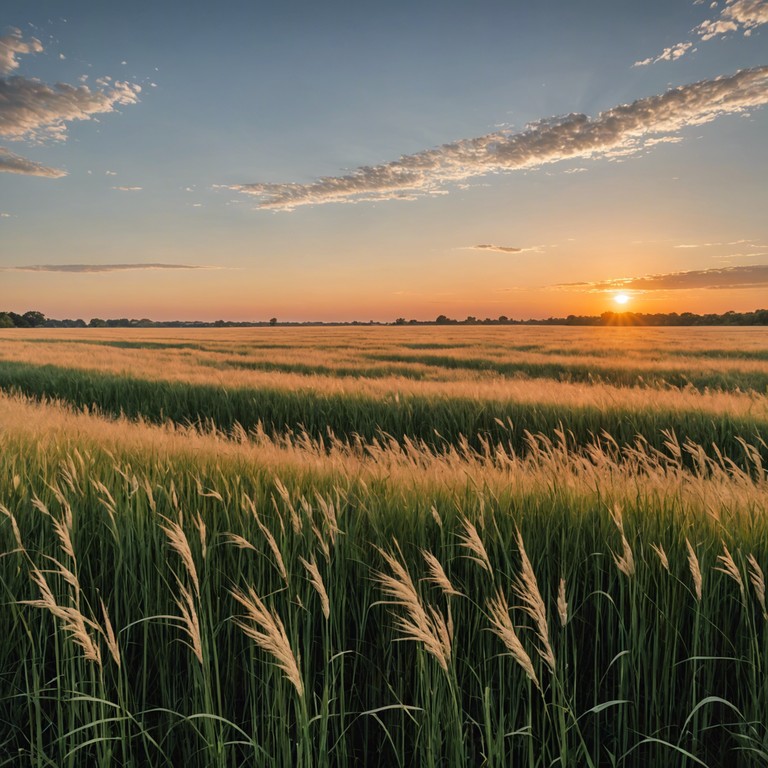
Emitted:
pixel 384 547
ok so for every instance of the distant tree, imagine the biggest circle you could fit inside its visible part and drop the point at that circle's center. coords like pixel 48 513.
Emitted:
pixel 34 319
pixel 97 322
pixel 442 320
pixel 5 320
pixel 273 321
pixel 400 321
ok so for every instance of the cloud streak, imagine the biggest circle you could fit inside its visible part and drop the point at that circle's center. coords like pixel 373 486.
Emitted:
pixel 12 163
pixel 93 268
pixel 502 248
pixel 620 131
pixel 720 278
pixel 673 53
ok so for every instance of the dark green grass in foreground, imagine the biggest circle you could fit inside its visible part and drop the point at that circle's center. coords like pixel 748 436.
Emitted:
pixel 439 422
pixel 644 674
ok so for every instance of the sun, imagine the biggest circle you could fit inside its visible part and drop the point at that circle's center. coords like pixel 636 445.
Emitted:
pixel 621 298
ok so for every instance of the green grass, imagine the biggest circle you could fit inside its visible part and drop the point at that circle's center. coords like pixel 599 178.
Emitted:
pixel 437 421
pixel 621 376
pixel 643 669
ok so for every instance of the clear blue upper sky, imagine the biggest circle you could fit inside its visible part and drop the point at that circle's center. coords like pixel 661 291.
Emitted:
pixel 359 160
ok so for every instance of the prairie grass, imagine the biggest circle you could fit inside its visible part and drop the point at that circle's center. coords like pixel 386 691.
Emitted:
pixel 188 584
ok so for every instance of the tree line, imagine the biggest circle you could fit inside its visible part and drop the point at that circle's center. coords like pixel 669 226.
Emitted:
pixel 35 319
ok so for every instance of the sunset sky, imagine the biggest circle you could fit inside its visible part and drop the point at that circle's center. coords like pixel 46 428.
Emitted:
pixel 360 160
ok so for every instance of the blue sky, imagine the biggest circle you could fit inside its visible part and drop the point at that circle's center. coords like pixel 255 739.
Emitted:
pixel 167 169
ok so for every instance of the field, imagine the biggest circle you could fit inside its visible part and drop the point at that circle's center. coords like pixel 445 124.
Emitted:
pixel 384 546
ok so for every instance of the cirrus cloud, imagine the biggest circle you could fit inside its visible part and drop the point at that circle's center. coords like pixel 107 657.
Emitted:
pixel 12 163
pixel 719 278
pixel 620 131
pixel 93 268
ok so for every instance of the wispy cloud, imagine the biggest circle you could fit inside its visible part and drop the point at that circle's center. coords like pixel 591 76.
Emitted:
pixel 737 15
pixel 33 111
pixel 91 268
pixel 13 43
pixel 672 53
pixel 12 163
pixel 502 248
pixel 720 278
pixel 128 189
pixel 623 130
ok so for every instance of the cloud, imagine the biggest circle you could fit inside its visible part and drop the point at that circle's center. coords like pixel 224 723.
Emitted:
pixel 11 163
pixel 33 110
pixel 128 189
pixel 744 15
pixel 737 15
pixel 503 248
pixel 499 248
pixel 720 278
pixel 672 53
pixel 91 268
pixel 622 130
pixel 13 43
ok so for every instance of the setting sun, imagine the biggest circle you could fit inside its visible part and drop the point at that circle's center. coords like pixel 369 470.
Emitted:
pixel 621 298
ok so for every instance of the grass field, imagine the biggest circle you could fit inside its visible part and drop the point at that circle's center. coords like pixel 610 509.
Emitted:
pixel 384 547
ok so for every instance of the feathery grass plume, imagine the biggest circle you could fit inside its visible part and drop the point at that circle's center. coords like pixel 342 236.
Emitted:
pixel 501 626
pixel 662 555
pixel 693 565
pixel 436 516
pixel 150 494
pixel 14 527
pixel 330 518
pixel 424 625
pixel 562 604
pixel 199 523
pixel 471 540
pixel 189 616
pixel 238 541
pixel 39 505
pixel 178 541
pixel 285 495
pixel 73 621
pixel 527 589
pixel 211 493
pixel 625 562
pixel 109 635
pixel 316 580
pixel 438 576
pixel 276 553
pixel 266 629
pixel 731 569
pixel 105 498
pixel 757 578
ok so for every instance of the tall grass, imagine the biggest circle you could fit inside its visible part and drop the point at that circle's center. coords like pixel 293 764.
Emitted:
pixel 437 421
pixel 172 598
pixel 215 566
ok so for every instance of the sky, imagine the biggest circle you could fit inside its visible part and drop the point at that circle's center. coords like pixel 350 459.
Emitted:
pixel 368 161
